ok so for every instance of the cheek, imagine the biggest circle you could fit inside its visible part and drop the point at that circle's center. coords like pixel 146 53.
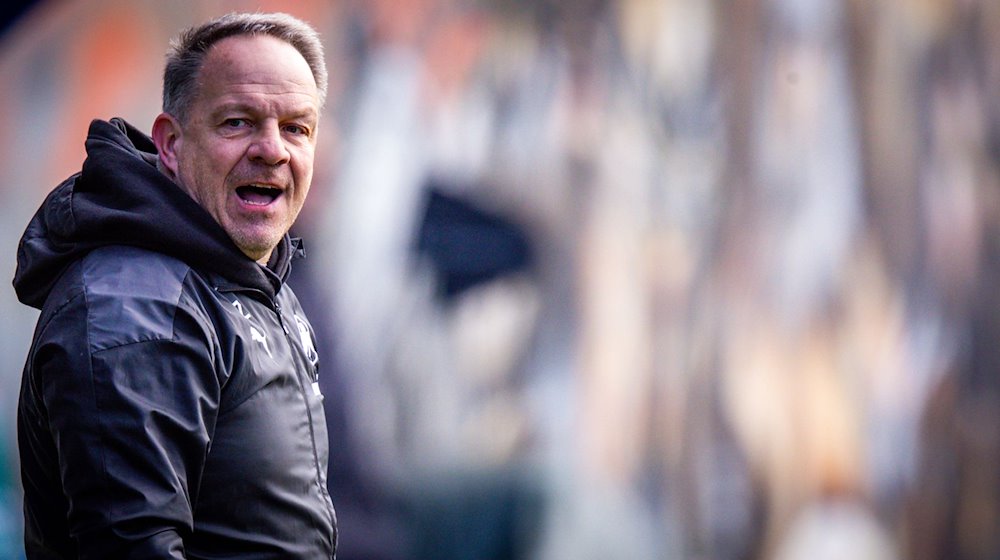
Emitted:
pixel 303 193
pixel 197 161
pixel 303 171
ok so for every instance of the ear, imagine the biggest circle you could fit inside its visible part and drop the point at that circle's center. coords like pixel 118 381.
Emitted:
pixel 167 137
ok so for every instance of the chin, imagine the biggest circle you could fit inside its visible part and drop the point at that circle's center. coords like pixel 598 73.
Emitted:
pixel 256 251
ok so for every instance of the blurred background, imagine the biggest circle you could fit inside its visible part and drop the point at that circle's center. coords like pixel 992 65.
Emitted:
pixel 610 279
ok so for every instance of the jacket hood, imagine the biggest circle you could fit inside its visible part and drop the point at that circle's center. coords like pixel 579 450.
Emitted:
pixel 121 198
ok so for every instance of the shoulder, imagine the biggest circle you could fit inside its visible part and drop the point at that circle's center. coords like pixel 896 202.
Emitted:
pixel 132 272
pixel 135 295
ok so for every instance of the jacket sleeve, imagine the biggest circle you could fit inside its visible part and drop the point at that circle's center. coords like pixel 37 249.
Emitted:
pixel 132 422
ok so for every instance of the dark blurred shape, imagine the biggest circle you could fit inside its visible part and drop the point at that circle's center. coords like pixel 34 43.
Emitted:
pixel 11 12
pixel 468 245
pixel 955 509
pixel 475 516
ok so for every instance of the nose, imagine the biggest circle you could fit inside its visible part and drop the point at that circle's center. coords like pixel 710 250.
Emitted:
pixel 268 146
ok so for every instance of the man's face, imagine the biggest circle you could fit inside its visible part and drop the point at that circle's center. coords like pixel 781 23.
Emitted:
pixel 246 151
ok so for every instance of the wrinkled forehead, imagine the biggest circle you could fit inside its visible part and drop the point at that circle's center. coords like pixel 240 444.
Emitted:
pixel 256 63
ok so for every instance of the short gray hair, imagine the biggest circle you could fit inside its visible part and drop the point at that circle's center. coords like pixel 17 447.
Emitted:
pixel 188 50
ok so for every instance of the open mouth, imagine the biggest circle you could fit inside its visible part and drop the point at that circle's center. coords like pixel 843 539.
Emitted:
pixel 257 195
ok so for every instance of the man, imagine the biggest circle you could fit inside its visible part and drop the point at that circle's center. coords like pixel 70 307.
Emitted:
pixel 169 406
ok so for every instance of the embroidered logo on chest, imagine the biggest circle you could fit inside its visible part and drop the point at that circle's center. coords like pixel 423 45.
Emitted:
pixel 305 337
pixel 255 334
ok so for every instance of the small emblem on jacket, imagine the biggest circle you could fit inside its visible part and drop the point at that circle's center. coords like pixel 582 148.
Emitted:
pixel 259 337
pixel 255 333
pixel 305 336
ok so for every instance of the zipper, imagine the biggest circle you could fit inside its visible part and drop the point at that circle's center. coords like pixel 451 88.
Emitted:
pixel 314 378
pixel 281 320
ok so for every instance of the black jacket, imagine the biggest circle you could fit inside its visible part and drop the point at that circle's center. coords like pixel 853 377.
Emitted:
pixel 169 406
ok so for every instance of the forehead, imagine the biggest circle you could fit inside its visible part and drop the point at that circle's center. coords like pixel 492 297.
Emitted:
pixel 257 64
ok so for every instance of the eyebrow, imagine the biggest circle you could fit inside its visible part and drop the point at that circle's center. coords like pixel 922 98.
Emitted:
pixel 241 107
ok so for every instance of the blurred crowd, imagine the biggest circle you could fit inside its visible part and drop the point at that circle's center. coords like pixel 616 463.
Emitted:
pixel 614 279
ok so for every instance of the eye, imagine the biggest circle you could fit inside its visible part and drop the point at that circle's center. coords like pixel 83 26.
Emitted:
pixel 296 129
pixel 236 123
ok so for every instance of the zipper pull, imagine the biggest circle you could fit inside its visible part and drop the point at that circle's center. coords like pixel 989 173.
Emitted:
pixel 281 318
